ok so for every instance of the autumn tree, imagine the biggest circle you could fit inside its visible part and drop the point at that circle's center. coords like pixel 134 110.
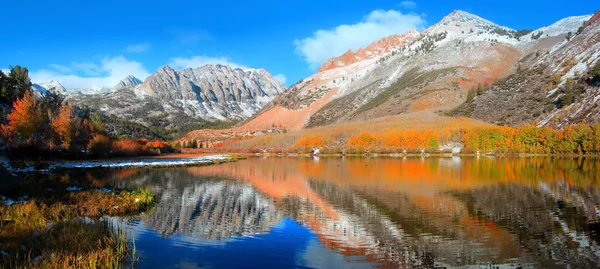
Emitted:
pixel 307 142
pixel 65 125
pixel 25 120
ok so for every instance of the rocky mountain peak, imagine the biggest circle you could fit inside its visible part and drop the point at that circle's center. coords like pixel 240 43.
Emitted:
pixel 375 49
pixel 52 86
pixel 128 82
pixel 463 16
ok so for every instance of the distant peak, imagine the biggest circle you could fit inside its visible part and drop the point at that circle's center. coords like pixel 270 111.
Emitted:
pixel 166 67
pixel 463 16
pixel 128 81
pixel 458 12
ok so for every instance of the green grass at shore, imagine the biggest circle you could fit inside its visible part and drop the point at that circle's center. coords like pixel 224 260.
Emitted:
pixel 68 231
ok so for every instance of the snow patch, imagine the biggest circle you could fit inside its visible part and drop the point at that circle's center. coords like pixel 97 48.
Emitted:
pixel 139 163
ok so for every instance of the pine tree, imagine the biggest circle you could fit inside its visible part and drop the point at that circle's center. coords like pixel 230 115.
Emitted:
pixel 193 144
pixel 19 81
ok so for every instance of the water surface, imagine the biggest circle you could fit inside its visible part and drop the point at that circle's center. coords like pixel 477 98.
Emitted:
pixel 367 213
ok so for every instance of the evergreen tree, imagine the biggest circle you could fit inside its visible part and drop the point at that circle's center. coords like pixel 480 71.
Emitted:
pixel 193 144
pixel 20 82
pixel 595 72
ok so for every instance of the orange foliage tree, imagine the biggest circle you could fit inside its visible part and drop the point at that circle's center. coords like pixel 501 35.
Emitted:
pixel 309 141
pixel 65 125
pixel 25 120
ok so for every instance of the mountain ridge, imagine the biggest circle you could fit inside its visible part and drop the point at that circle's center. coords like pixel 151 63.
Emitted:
pixel 433 72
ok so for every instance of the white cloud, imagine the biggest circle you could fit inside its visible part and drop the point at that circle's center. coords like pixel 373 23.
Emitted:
pixel 137 48
pixel 408 4
pixel 5 71
pixel 281 78
pixel 325 44
pixel 108 72
pixel 198 61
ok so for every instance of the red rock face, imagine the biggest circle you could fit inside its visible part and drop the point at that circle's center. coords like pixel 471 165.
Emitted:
pixel 594 19
pixel 377 48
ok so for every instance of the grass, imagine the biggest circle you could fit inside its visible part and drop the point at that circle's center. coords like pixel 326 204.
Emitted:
pixel 67 231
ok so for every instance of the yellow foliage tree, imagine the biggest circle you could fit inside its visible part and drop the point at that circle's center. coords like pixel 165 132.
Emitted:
pixel 65 125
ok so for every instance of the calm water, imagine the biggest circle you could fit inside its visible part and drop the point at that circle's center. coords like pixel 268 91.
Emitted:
pixel 365 213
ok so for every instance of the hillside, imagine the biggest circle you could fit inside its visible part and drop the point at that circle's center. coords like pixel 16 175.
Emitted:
pixel 436 72
pixel 552 87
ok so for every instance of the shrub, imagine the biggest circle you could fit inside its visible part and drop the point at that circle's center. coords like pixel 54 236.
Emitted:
pixel 309 141
pixel 130 148
pixel 100 146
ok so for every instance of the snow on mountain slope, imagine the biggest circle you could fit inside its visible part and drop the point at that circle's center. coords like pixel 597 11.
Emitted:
pixel 550 86
pixel 433 72
pixel 561 27
pixel 211 92
pixel 128 82
pixel 53 86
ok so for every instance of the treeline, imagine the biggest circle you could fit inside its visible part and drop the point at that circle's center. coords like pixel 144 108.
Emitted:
pixel 580 139
pixel 574 139
pixel 44 125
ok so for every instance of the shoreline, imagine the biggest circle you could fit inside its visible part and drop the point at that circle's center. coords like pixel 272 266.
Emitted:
pixel 171 160
pixel 421 155
pixel 207 158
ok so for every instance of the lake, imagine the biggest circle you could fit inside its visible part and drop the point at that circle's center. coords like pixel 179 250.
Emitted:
pixel 283 212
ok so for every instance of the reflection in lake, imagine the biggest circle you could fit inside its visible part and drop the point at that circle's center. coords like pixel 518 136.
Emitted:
pixel 378 212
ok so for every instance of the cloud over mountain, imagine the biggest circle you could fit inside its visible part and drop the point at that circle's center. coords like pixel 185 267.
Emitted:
pixel 326 43
pixel 90 75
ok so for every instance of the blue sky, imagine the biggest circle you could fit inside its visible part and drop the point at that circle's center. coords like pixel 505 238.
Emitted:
pixel 97 43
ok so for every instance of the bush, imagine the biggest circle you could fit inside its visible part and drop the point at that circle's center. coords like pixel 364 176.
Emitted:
pixel 100 146
pixel 130 148
pixel 308 142
pixel 468 151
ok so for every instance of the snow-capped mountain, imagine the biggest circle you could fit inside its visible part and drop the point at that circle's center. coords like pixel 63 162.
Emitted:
pixel 566 25
pixel 128 82
pixel 52 86
pixel 211 92
pixel 552 86
pixel 433 72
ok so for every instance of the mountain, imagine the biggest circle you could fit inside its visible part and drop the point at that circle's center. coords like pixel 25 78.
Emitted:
pixel 211 92
pixel 551 86
pixel 214 91
pixel 52 86
pixel 377 48
pixel 436 72
pixel 129 81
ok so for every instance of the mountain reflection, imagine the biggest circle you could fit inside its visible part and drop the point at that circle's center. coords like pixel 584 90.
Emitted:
pixel 395 212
